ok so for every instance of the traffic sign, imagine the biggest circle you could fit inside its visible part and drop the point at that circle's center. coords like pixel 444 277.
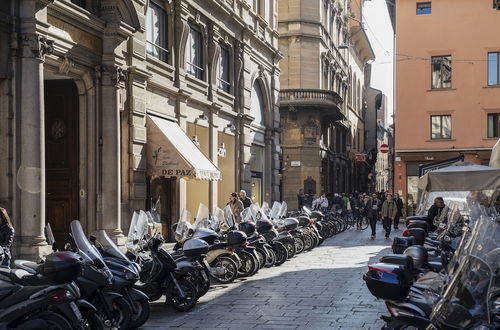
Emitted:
pixel 384 148
pixel 360 158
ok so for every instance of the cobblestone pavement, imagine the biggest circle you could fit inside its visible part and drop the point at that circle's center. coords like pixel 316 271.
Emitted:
pixel 320 289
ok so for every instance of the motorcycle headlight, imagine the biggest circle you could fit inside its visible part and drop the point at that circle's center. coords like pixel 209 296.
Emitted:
pixel 131 276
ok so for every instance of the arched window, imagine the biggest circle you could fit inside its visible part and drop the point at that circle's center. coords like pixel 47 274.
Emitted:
pixel 257 104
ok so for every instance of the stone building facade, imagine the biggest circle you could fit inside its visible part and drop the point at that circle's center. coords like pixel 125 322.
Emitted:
pixel 322 97
pixel 82 84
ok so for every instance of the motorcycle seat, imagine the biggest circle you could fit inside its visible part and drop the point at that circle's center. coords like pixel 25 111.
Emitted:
pixel 20 295
pixel 27 265
pixel 422 304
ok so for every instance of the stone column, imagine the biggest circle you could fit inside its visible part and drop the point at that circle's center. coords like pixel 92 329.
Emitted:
pixel 213 151
pixel 30 140
pixel 111 105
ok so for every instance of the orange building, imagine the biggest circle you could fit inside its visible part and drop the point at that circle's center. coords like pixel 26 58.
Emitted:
pixel 447 81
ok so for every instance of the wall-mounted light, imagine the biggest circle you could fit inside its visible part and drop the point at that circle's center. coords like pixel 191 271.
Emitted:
pixel 196 141
pixel 221 151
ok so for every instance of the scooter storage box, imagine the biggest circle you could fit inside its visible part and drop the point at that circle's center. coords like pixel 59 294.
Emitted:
pixel 399 244
pixel 291 223
pixel 415 217
pixel 207 235
pixel 398 259
pixel 419 224
pixel 263 226
pixel 195 247
pixel 236 237
pixel 418 233
pixel 62 267
pixel 388 282
pixel 304 221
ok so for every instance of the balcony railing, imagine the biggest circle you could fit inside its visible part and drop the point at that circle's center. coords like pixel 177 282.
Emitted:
pixel 310 97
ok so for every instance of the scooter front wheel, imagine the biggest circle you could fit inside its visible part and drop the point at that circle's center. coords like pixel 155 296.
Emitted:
pixel 142 315
pixel 182 301
pixel 229 270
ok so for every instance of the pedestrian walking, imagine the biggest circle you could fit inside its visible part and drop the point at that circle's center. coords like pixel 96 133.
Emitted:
pixel 301 199
pixel 323 202
pixel 244 199
pixel 400 205
pixel 367 211
pixel 236 206
pixel 6 236
pixel 389 212
pixel 376 206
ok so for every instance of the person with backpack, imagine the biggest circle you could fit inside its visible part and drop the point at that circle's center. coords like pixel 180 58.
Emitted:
pixel 366 210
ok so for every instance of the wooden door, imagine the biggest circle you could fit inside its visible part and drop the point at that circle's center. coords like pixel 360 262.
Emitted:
pixel 61 156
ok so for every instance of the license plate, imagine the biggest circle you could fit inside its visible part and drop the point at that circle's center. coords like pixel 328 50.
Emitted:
pixel 75 310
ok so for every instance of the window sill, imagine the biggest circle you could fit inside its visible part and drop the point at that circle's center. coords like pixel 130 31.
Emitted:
pixel 159 63
pixel 440 140
pixel 491 139
pixel 225 94
pixel 492 86
pixel 441 89
pixel 195 80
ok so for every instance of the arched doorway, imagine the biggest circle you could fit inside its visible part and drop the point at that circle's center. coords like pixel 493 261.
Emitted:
pixel 61 156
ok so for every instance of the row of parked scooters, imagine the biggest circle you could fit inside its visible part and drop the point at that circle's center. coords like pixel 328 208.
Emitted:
pixel 447 279
pixel 93 284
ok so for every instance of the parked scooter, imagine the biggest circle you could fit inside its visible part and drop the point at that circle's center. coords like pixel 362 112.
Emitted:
pixel 125 275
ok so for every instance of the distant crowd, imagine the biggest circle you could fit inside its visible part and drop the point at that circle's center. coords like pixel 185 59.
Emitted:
pixel 387 207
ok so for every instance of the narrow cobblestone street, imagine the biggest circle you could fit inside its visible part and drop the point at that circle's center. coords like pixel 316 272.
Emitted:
pixel 321 289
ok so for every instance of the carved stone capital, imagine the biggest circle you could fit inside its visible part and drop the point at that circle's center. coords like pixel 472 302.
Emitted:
pixel 35 46
pixel 114 75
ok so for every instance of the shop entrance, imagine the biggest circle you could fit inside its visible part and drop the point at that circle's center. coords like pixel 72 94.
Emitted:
pixel 161 195
pixel 61 156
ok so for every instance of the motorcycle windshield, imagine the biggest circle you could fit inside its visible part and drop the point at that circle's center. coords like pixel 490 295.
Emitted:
pixel 275 210
pixel 138 228
pixel 217 219
pixel 465 300
pixel 83 244
pixel 283 210
pixel 265 208
pixel 183 226
pixel 248 214
pixel 108 245
pixel 306 210
pixel 229 217
pixel 202 217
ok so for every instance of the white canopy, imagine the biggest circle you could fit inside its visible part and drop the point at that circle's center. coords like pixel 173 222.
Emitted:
pixel 462 176
pixel 170 153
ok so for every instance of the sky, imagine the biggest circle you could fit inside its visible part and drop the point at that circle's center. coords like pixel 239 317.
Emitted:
pixel 379 30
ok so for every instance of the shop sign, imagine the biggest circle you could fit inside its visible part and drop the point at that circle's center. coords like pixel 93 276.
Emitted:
pixel 295 163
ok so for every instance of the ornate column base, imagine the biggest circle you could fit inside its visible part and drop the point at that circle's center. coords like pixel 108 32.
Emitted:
pixel 30 248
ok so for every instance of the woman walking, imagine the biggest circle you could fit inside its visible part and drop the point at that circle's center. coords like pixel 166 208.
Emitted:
pixel 236 206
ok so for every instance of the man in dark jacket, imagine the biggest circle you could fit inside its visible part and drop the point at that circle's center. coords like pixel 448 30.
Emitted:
pixel 400 205
pixel 434 211
pixel 244 199
pixel 366 210
pixel 6 236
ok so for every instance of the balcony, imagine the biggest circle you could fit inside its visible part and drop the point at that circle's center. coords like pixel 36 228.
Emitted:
pixel 310 99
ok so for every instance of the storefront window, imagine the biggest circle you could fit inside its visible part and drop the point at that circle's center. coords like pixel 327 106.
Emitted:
pixel 257 170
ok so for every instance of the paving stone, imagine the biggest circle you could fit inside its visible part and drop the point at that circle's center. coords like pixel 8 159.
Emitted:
pixel 320 289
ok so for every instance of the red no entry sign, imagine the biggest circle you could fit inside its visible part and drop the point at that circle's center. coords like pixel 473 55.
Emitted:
pixel 384 148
